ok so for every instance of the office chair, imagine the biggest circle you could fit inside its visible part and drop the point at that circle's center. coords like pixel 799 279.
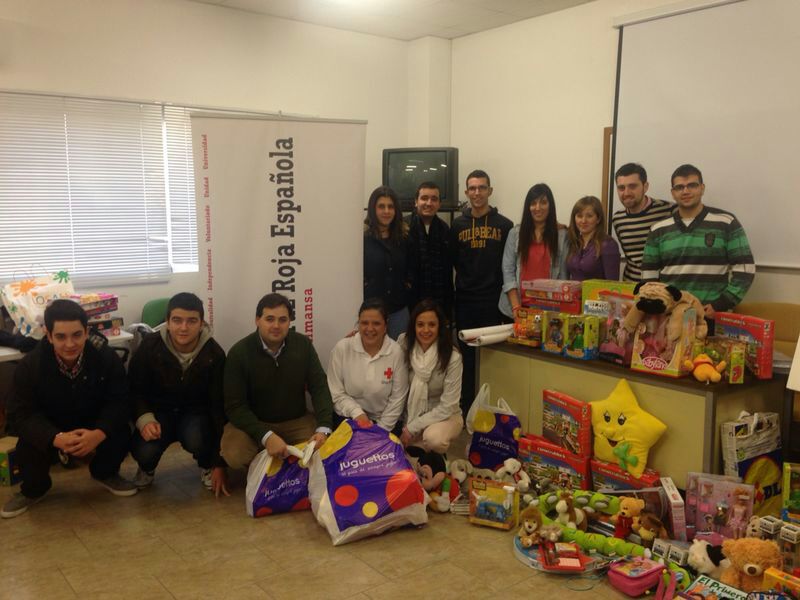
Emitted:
pixel 154 312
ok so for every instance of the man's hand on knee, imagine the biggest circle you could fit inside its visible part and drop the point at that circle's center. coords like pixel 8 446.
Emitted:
pixel 151 431
pixel 276 446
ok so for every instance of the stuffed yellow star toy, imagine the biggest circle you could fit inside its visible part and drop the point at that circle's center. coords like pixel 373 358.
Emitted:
pixel 623 432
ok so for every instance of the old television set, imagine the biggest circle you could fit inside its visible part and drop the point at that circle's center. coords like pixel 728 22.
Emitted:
pixel 405 168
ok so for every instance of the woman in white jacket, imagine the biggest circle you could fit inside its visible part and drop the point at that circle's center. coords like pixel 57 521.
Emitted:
pixel 433 413
pixel 537 248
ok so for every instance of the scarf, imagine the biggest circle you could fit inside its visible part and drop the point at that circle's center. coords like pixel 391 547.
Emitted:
pixel 423 365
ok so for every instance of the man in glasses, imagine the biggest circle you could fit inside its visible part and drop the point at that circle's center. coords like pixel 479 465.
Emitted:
pixel 640 212
pixel 699 249
pixel 477 239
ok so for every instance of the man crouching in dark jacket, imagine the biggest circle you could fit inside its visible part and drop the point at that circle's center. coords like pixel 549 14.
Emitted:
pixel 176 386
pixel 68 395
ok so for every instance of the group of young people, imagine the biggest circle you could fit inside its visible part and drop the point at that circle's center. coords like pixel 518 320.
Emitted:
pixel 72 397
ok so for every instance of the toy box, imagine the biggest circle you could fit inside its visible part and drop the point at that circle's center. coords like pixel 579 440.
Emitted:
pixel 493 503
pixel 789 541
pixel 705 587
pixel 759 335
pixel 9 470
pixel 553 324
pixel 527 327
pixel 548 464
pixel 97 304
pixel 722 507
pixel 677 511
pixel 692 496
pixel 652 353
pixel 552 294
pixel 581 333
pixel 107 327
pixel 770 527
pixel 609 476
pixel 731 351
pixel 596 289
pixel 567 422
pixel 790 510
pixel 780 581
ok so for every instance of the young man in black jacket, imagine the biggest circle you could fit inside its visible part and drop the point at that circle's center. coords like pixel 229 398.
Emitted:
pixel 176 385
pixel 68 395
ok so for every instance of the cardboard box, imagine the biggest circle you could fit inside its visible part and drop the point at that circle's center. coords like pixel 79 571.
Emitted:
pixel 493 503
pixel 527 327
pixel 677 509
pixel 548 463
pixel 759 335
pixel 790 494
pixel 567 422
pixel 780 581
pixel 652 353
pixel 582 333
pixel 552 294
pixel 733 352
pixel 608 476
pixel 553 336
pixel 595 289
pixel 9 470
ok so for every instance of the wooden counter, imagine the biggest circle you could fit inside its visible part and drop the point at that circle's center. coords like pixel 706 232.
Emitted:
pixel 692 411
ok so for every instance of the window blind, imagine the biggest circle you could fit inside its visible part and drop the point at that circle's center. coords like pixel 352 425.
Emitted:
pixel 102 189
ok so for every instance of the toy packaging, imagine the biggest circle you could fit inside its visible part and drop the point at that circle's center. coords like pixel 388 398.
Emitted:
pixel 790 510
pixel 652 353
pixel 553 325
pixel 780 581
pixel 527 327
pixel 692 495
pixel 596 289
pixel 493 503
pixel 789 541
pixel 609 476
pixel 722 507
pixel 567 422
pixel 705 587
pixel 751 449
pixel 552 294
pixel 619 297
pixel 677 512
pixel 9 470
pixel 582 334
pixel 759 335
pixel 551 465
pixel 634 576
pixel 720 348
pixel 562 556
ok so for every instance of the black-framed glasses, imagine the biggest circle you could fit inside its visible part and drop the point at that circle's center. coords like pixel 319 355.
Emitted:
pixel 691 186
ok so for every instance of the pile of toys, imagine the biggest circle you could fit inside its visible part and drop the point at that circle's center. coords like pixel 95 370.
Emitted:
pixel 651 327
pixel 99 307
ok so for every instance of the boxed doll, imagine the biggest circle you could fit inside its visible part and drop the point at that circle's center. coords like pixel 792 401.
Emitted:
pixel 9 470
pixel 493 503
pixel 610 348
pixel 692 496
pixel 581 336
pixel 552 294
pixel 553 325
pixel 609 476
pixel 722 507
pixel 548 464
pixel 567 422
pixel 654 353
pixel 759 335
pixel 527 327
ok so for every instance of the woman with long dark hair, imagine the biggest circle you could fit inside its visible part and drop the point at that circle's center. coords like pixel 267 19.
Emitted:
pixel 535 249
pixel 385 249
pixel 592 253
pixel 433 411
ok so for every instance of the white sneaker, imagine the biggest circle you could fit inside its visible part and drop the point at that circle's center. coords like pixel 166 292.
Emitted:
pixel 205 478
pixel 143 479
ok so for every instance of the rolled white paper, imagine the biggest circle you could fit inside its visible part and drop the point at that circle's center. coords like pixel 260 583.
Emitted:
pixel 491 338
pixel 469 335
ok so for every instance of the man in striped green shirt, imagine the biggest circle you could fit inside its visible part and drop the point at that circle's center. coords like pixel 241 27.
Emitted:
pixel 699 249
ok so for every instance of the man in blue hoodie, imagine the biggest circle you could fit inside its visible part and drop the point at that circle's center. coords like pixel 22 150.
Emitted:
pixel 477 239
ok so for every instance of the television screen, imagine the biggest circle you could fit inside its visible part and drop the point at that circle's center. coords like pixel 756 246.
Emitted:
pixel 405 168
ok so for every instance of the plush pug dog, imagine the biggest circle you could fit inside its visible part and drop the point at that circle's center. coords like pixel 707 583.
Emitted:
pixel 654 298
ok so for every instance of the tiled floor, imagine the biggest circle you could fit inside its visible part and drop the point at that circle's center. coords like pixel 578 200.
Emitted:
pixel 175 540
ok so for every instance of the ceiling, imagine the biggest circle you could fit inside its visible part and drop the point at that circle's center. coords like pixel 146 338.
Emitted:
pixel 403 19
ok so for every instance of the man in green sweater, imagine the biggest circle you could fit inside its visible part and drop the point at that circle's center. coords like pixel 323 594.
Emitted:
pixel 266 376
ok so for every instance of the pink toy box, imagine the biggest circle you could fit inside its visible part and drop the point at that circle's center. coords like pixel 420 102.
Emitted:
pixel 548 463
pixel 759 335
pixel 719 506
pixel 653 353
pixel 567 422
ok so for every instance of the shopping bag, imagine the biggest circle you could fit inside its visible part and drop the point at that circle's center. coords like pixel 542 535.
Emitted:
pixel 495 431
pixel 26 300
pixel 751 449
pixel 361 484
pixel 276 485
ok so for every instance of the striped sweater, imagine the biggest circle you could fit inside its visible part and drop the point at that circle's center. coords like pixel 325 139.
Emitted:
pixel 632 231
pixel 710 257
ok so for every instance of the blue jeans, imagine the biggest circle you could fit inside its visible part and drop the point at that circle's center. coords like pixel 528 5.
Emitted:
pixel 193 431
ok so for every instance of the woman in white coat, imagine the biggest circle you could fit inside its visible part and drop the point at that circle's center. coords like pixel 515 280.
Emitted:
pixel 433 413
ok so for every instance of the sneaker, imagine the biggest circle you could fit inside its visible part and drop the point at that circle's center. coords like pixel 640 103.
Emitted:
pixel 118 486
pixel 17 505
pixel 205 478
pixel 143 479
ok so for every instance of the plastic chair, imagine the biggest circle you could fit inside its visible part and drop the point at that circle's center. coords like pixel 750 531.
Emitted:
pixel 154 312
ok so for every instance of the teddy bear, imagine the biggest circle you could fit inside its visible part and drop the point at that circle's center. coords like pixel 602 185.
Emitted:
pixel 654 298
pixel 706 559
pixel 568 514
pixel 512 472
pixel 629 508
pixel 529 532
pixel 648 527
pixel 749 557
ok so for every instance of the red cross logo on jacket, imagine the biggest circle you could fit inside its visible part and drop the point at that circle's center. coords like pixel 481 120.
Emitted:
pixel 388 373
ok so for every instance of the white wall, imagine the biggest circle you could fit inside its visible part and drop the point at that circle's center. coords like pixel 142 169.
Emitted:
pixel 192 53
pixel 530 101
